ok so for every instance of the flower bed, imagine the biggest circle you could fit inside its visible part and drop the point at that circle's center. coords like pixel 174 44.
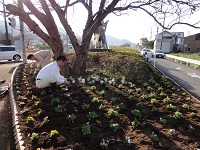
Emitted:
pixel 105 113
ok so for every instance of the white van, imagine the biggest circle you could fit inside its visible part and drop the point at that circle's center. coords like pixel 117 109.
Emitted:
pixel 9 53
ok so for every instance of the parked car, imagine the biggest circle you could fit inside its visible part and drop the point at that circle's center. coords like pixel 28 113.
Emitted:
pixel 9 53
pixel 146 53
pixel 145 50
pixel 159 53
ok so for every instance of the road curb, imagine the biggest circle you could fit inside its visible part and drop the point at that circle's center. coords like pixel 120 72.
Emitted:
pixel 15 122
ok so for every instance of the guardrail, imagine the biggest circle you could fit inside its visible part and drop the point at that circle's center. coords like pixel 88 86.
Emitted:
pixel 186 60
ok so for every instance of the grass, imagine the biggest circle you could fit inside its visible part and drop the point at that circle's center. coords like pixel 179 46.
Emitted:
pixel 195 56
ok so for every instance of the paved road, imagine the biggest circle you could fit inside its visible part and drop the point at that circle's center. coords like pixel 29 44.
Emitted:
pixel 185 76
pixel 6 130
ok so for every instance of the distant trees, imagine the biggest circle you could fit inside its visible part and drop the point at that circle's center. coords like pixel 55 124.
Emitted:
pixel 145 42
pixel 96 13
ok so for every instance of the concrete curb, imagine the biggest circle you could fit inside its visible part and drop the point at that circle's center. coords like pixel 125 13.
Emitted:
pixel 15 122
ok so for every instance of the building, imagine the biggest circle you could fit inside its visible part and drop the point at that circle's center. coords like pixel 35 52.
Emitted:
pixel 169 41
pixel 192 43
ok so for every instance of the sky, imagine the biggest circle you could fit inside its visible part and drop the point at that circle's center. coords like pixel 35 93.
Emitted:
pixel 133 27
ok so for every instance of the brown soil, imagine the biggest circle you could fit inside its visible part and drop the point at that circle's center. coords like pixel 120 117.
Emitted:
pixel 148 133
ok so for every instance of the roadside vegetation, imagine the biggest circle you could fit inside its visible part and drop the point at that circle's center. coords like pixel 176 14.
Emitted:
pixel 195 56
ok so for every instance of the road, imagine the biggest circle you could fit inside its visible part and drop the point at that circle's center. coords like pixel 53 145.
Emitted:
pixel 6 130
pixel 185 76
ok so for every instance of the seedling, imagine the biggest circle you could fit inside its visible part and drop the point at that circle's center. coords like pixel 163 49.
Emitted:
pixel 34 136
pixel 58 108
pixel 135 123
pixel 112 112
pixel 71 118
pixel 53 133
pixel 86 129
pixel 92 115
pixel 178 115
pixel 163 121
pixel 86 106
pixel 136 113
pixel 95 99
pixel 114 126
pixel 154 137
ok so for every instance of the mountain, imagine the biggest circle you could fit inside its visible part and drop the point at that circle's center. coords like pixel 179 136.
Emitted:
pixel 113 41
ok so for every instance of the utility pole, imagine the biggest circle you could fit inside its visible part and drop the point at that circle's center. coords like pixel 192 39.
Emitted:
pixel 22 34
pixel 7 41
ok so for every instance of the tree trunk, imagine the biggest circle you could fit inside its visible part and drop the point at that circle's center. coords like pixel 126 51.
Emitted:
pixel 79 67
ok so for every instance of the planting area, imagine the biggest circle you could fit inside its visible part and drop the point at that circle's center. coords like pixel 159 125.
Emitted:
pixel 102 112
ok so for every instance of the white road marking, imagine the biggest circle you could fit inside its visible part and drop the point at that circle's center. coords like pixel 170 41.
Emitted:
pixel 194 75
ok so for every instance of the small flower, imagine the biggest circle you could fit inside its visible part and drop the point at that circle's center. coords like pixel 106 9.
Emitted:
pixel 104 144
pixel 45 120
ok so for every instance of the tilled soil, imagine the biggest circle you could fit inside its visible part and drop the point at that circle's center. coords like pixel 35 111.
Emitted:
pixel 150 119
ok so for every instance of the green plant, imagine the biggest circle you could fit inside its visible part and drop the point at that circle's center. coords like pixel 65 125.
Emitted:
pixel 132 86
pixel 95 99
pixel 92 115
pixel 43 93
pixel 163 121
pixel 154 109
pixel 114 126
pixel 33 97
pixel 135 123
pixel 154 137
pixel 104 144
pixel 162 94
pixel 30 120
pixel 103 92
pixel 71 118
pixel 86 129
pixel 53 133
pixel 132 97
pixel 171 132
pixel 192 114
pixel 138 90
pixel 184 93
pixel 87 91
pixel 190 128
pixel 37 103
pixel 152 95
pixel 127 141
pixel 112 112
pixel 121 106
pixel 93 88
pixel 34 136
pixel 149 88
pixel 144 96
pixel 119 92
pixel 113 99
pixel 185 106
pixel 86 106
pixel 178 115
pixel 139 104
pixel 74 101
pixel 154 101
pixel 136 113
pixel 172 107
pixel 145 85
pixel 120 86
pixel 58 108
pixel 55 101
pixel 166 100
pixel 130 91
pixel 45 120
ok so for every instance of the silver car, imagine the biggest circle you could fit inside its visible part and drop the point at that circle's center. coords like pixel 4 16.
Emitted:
pixel 9 53
pixel 159 53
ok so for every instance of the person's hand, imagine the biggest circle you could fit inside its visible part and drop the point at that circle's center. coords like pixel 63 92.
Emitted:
pixel 37 65
pixel 66 81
